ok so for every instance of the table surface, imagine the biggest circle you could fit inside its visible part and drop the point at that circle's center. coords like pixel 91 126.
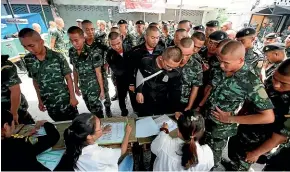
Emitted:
pixel 61 126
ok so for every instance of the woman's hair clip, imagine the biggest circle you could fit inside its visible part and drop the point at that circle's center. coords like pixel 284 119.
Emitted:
pixel 193 118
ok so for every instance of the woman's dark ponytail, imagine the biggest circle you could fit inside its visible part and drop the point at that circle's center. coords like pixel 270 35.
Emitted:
pixel 191 129
pixel 75 137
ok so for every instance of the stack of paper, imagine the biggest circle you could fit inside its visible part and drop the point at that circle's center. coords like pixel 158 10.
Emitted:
pixel 115 136
pixel 51 158
pixel 147 127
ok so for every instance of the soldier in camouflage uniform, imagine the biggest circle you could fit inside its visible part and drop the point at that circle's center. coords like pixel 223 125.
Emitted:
pixel 211 27
pixel 253 140
pixel 48 69
pixel 191 74
pixel 140 29
pixel 57 42
pixel 285 33
pixel 275 54
pixel 101 33
pixel 247 37
pixel 264 30
pixel 87 64
pixel 11 97
pixel 166 37
pixel 98 46
pixel 233 83
pixel 287 46
pixel 129 40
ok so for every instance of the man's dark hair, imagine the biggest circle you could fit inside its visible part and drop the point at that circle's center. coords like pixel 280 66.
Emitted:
pixel 6 117
pixel 153 24
pixel 186 42
pixel 198 35
pixel 113 35
pixel 151 28
pixel 27 32
pixel 87 22
pixel 184 21
pixel 75 29
pixel 284 68
pixel 172 53
pixel 180 30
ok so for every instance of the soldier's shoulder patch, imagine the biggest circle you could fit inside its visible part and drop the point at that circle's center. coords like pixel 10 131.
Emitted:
pixel 31 139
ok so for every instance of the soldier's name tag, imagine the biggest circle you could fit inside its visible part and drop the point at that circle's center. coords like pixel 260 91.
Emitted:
pixel 165 78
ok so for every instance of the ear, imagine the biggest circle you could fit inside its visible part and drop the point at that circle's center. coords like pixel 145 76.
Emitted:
pixel 42 42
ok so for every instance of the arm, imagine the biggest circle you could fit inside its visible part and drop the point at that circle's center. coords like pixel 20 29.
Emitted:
pixel 70 86
pixel 264 117
pixel 124 145
pixel 15 98
pixel 52 43
pixel 209 88
pixel 100 79
pixel 35 84
pixel 193 94
pixel 76 77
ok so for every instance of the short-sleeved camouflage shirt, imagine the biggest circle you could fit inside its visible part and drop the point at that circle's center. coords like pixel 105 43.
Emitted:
pixel 140 39
pixel 191 76
pixel 85 65
pixel 128 42
pixel 229 94
pixel 252 58
pixel 10 78
pixel 59 39
pixel 50 76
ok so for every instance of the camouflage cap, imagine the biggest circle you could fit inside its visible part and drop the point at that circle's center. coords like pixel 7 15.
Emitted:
pixel 212 23
pixel 274 46
pixel 218 35
pixel 199 27
pixel 122 22
pixel 271 36
pixel 140 22
pixel 245 32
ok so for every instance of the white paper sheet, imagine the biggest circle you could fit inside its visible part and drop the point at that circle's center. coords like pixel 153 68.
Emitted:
pixel 164 118
pixel 50 159
pixel 116 135
pixel 40 132
pixel 146 127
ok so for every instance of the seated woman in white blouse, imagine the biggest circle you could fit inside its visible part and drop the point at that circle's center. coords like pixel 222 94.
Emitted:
pixel 84 154
pixel 183 153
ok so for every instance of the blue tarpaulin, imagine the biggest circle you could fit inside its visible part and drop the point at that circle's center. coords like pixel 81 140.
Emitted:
pixel 8 29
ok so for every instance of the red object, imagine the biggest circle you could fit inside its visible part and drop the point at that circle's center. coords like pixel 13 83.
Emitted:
pixel 129 4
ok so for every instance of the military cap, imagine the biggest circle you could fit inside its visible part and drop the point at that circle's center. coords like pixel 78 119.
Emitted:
pixel 199 27
pixel 122 22
pixel 79 20
pixel 212 23
pixel 271 36
pixel 140 22
pixel 218 35
pixel 274 46
pixel 245 32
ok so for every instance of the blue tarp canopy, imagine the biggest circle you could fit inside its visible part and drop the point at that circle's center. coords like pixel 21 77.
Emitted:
pixel 8 29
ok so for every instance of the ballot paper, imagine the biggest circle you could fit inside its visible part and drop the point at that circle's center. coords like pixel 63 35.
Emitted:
pixel 51 158
pixel 40 132
pixel 146 127
pixel 165 119
pixel 115 136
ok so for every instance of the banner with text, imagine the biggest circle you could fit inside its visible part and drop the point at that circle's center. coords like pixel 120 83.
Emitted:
pixel 148 6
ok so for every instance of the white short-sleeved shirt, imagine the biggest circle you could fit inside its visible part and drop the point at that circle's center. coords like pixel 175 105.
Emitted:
pixel 168 152
pixel 97 158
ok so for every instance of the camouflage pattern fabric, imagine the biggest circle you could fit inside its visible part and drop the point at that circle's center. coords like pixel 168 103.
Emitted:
pixel 229 94
pixel 128 42
pixel 284 34
pixel 253 59
pixel 271 69
pixel 140 39
pixel 167 40
pixel 250 137
pixel 102 35
pixel 50 76
pixel 100 48
pixel 85 65
pixel 191 76
pixel 60 45
pixel 264 31
pixel 10 78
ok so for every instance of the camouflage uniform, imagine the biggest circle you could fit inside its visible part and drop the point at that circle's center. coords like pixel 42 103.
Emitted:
pixel 264 31
pixel 60 45
pixel 140 39
pixel 228 94
pixel 10 78
pixel 100 48
pixel 252 58
pixel 284 34
pixel 49 75
pixel 250 137
pixel 101 35
pixel 128 42
pixel 85 65
pixel 192 76
pixel 167 40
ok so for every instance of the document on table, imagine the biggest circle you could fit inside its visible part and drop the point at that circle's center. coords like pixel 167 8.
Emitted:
pixel 115 136
pixel 146 127
pixel 40 132
pixel 165 119
pixel 50 159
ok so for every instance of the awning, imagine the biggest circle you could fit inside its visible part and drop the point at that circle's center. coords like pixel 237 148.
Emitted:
pixel 281 10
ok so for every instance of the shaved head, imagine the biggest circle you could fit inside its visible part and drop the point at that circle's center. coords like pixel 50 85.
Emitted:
pixel 186 42
pixel 31 41
pixel 27 32
pixel 234 49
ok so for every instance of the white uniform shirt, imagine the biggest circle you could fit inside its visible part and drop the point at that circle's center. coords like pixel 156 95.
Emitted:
pixel 168 152
pixel 96 158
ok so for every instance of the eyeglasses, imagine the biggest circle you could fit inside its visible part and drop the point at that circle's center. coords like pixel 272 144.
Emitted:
pixel 213 43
